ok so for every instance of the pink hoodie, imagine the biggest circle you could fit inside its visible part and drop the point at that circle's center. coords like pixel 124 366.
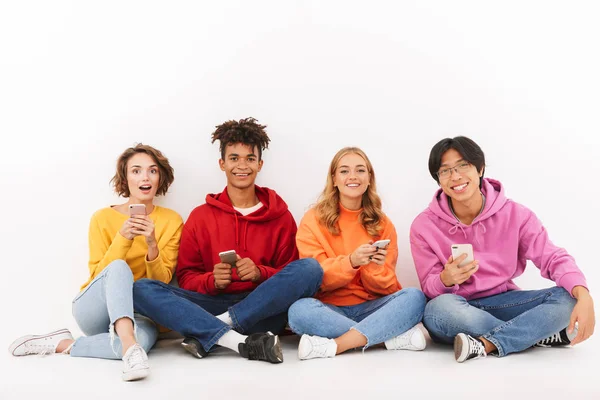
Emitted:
pixel 504 236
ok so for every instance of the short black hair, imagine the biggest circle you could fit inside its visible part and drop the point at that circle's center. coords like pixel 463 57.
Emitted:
pixel 467 148
pixel 246 131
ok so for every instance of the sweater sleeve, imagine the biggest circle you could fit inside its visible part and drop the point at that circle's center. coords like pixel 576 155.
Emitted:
pixel 103 251
pixel 191 270
pixel 286 251
pixel 554 262
pixel 337 271
pixel 429 267
pixel 381 279
pixel 161 268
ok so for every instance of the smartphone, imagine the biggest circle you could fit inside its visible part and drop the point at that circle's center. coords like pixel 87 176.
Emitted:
pixel 460 249
pixel 381 244
pixel 228 257
pixel 137 209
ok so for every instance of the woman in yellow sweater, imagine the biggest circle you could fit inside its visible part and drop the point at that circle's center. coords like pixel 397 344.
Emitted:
pixel 360 302
pixel 123 248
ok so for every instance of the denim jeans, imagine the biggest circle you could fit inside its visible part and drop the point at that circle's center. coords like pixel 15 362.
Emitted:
pixel 378 320
pixel 513 321
pixel 263 309
pixel 106 299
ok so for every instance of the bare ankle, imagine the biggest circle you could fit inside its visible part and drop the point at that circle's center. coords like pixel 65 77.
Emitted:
pixel 489 346
pixel 64 344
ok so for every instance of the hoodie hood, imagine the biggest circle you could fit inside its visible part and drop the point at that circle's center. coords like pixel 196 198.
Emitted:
pixel 494 201
pixel 273 205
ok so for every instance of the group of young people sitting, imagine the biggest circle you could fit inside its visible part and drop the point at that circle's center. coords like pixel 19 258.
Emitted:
pixel 245 271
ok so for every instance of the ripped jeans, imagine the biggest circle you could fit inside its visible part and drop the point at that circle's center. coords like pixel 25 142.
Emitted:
pixel 378 320
pixel 106 299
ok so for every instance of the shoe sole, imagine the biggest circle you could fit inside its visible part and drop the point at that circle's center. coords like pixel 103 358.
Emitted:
pixel 275 356
pixel 24 339
pixel 135 375
pixel 192 349
pixel 460 348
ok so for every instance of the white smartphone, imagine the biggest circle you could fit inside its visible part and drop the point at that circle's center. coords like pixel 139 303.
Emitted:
pixel 460 249
pixel 137 209
pixel 381 244
pixel 228 257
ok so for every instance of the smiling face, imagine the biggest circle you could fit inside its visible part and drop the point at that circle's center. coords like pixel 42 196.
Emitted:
pixel 458 178
pixel 352 179
pixel 241 165
pixel 143 176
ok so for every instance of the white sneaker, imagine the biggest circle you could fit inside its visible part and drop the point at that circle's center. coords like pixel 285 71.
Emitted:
pixel 316 347
pixel 39 344
pixel 412 339
pixel 136 363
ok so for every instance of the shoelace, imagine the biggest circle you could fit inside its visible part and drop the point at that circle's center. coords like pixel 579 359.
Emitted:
pixel 41 349
pixel 476 348
pixel 136 358
pixel 320 348
pixel 552 339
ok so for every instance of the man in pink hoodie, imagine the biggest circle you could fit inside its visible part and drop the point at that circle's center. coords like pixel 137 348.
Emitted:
pixel 477 306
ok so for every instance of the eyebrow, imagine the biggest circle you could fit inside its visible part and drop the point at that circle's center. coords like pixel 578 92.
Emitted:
pixel 446 165
pixel 139 166
pixel 237 155
pixel 345 166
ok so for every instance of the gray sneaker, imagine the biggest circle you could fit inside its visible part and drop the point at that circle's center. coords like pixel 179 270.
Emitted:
pixel 468 348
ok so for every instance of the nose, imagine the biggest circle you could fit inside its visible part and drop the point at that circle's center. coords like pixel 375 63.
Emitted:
pixel 454 173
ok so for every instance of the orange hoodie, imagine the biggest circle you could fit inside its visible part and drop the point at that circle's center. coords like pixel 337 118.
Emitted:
pixel 343 285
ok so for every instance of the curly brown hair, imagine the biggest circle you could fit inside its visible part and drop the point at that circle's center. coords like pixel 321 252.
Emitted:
pixel 246 131
pixel 166 176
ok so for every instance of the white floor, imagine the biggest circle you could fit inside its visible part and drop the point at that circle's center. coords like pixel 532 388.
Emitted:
pixel 566 373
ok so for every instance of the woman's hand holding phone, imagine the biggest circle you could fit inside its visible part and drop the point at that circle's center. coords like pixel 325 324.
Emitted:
pixel 143 225
pixel 366 254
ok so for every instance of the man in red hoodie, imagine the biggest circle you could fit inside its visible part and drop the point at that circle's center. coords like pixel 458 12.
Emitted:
pixel 220 303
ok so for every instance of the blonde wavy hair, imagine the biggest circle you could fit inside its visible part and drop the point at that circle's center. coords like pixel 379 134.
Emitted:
pixel 328 205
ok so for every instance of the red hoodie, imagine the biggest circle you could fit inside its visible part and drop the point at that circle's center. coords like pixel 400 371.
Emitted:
pixel 267 237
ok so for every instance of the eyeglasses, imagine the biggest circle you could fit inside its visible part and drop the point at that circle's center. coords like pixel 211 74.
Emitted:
pixel 460 168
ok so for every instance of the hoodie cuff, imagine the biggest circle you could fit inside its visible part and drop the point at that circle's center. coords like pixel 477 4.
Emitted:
pixel 572 279
pixel 210 286
pixel 440 288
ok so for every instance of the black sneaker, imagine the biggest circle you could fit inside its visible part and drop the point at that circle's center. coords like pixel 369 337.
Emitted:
pixel 262 346
pixel 561 338
pixel 468 348
pixel 194 347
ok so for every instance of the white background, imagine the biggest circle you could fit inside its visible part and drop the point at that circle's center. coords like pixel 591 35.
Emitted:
pixel 81 81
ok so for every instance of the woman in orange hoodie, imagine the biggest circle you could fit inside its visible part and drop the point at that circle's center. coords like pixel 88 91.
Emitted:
pixel 360 302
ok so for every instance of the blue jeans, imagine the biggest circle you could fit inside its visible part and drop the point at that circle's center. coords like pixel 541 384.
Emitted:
pixel 378 320
pixel 96 308
pixel 263 309
pixel 513 321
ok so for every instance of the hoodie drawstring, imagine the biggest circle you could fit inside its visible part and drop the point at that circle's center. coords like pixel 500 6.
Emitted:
pixel 478 225
pixel 246 237
pixel 237 240
pixel 454 229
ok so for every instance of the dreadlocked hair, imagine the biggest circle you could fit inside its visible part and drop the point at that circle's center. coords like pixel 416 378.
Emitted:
pixel 246 131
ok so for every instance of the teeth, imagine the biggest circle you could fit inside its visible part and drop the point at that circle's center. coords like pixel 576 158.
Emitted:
pixel 353 185
pixel 461 187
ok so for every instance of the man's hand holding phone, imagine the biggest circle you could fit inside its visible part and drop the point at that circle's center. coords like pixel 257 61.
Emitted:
pixel 222 275
pixel 453 274
pixel 247 270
